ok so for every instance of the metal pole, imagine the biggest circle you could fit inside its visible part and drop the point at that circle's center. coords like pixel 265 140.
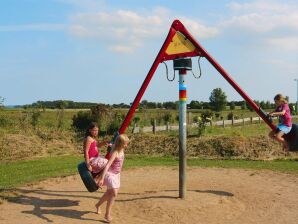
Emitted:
pixel 182 133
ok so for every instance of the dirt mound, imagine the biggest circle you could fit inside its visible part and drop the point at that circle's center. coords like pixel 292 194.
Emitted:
pixel 22 146
pixel 257 147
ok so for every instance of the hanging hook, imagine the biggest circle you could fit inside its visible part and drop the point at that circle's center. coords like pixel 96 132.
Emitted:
pixel 167 71
pixel 197 77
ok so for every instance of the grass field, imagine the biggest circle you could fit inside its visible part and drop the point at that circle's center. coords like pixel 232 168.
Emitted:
pixel 16 174
pixel 48 118
pixel 48 140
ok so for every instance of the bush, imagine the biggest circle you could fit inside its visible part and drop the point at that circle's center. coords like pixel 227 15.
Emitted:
pixel 114 124
pixel 136 119
pixel 4 122
pixel 167 117
pixel 205 117
pixel 81 121
pixel 217 115
pixel 230 116
pixel 108 121
pixel 35 118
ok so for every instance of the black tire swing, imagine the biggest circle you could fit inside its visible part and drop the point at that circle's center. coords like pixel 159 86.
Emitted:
pixel 87 177
pixel 292 138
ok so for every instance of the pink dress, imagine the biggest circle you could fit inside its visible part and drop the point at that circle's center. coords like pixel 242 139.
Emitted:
pixel 97 162
pixel 112 177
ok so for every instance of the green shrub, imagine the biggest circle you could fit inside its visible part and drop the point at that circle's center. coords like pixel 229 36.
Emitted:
pixel 81 121
pixel 4 122
pixel 230 116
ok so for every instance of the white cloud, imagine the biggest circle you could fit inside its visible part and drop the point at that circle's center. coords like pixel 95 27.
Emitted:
pixel 131 29
pixel 199 30
pixel 260 6
pixel 272 23
pixel 262 16
pixel 285 43
pixel 287 67
pixel 121 49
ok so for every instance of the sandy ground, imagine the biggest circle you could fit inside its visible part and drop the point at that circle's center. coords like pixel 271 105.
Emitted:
pixel 150 195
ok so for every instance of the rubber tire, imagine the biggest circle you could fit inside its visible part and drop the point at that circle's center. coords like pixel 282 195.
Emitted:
pixel 87 177
pixel 292 138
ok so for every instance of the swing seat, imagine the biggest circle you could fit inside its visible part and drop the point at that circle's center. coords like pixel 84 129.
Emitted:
pixel 87 177
pixel 292 138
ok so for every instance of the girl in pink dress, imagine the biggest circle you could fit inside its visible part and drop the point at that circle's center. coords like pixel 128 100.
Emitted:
pixel 110 176
pixel 94 162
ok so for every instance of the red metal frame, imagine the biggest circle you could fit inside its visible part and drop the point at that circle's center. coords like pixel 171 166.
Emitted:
pixel 177 26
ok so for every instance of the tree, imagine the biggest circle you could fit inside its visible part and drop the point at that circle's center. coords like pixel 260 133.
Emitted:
pixel 232 106
pixel 194 104
pixel 218 99
pixel 243 105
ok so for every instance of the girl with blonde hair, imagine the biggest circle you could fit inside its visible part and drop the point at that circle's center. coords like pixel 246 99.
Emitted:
pixel 110 176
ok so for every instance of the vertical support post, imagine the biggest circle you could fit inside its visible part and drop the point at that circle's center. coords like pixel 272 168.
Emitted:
pixel 182 65
pixel 182 133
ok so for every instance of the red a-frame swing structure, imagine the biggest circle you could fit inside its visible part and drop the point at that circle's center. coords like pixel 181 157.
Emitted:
pixel 180 44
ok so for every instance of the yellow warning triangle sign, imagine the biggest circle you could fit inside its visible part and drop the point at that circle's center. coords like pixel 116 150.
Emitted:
pixel 180 44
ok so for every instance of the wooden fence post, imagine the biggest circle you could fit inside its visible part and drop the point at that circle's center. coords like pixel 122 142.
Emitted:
pixel 154 126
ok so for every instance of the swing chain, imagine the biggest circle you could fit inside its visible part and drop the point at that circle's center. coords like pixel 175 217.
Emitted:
pixel 167 71
pixel 197 77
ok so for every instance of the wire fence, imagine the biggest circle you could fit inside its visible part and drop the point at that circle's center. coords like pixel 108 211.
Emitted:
pixel 222 123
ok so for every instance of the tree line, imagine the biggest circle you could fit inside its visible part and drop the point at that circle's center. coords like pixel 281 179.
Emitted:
pixel 217 102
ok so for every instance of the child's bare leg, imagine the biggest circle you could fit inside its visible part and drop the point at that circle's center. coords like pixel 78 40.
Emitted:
pixel 113 194
pixel 101 201
pixel 272 134
pixel 279 138
pixel 96 179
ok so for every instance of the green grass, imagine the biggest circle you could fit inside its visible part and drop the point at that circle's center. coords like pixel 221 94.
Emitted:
pixel 15 174
pixel 21 172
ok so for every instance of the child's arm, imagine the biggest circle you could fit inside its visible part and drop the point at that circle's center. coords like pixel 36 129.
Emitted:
pixel 278 113
pixel 87 144
pixel 111 160
pixel 103 143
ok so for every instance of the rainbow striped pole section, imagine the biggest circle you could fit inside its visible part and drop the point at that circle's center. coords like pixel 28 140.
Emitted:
pixel 182 133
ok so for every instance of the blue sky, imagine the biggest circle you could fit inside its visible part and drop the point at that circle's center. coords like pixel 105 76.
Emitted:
pixel 101 51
